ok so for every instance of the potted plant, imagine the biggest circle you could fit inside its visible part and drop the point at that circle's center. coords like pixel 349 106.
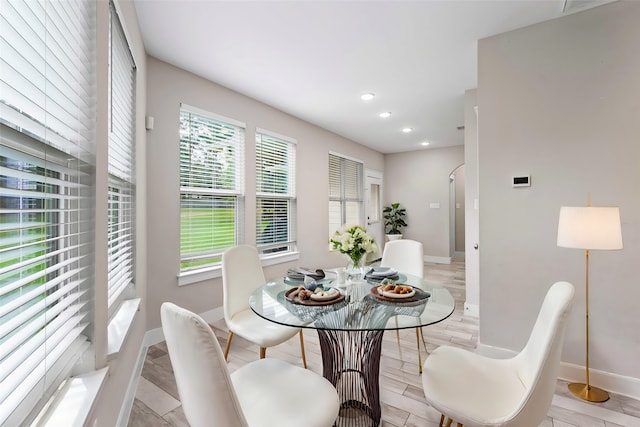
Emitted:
pixel 394 220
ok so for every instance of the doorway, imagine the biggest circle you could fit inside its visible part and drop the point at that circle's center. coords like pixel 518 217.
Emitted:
pixel 373 210
pixel 456 212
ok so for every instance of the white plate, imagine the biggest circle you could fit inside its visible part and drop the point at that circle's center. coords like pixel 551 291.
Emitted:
pixel 325 295
pixel 394 295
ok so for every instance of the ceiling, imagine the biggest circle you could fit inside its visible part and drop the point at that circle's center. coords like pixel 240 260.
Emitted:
pixel 314 59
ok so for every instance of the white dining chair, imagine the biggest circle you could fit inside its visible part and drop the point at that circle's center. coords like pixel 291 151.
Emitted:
pixel 241 275
pixel 406 256
pixel 479 391
pixel 263 393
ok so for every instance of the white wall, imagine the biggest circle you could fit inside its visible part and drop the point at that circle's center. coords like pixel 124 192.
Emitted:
pixel 560 101
pixel 168 86
pixel 416 179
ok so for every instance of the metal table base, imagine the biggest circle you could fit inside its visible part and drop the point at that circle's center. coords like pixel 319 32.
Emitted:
pixel 351 362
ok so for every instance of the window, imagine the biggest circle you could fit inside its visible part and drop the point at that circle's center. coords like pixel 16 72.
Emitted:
pixel 121 214
pixel 211 187
pixel 346 201
pixel 46 192
pixel 275 193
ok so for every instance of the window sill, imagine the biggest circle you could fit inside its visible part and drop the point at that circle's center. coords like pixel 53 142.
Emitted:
pixel 120 325
pixel 200 275
pixel 73 402
pixel 279 258
pixel 195 276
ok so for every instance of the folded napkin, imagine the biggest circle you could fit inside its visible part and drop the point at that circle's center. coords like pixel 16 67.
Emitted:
pixel 299 273
pixel 377 274
pixel 382 272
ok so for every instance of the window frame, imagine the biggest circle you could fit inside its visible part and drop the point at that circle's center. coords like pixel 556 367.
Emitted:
pixel 48 137
pixel 341 197
pixel 236 193
pixel 122 159
pixel 275 197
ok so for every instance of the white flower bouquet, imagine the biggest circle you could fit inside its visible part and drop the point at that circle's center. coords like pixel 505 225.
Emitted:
pixel 353 241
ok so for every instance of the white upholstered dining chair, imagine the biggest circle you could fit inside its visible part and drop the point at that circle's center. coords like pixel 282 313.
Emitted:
pixel 476 390
pixel 263 393
pixel 406 256
pixel 241 275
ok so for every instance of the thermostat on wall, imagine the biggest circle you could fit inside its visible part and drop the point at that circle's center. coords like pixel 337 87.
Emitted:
pixel 521 181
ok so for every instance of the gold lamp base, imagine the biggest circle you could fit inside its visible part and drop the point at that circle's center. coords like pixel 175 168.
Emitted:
pixel 588 393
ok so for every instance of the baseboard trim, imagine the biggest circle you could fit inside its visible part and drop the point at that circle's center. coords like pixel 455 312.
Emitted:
pixel 154 336
pixel 213 315
pixel 614 383
pixel 618 384
pixel 438 259
pixel 130 394
pixel 471 310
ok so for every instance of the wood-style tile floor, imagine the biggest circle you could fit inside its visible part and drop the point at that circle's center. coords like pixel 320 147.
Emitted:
pixel 157 402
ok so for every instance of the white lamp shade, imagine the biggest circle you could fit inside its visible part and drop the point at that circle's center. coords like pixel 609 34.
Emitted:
pixel 592 227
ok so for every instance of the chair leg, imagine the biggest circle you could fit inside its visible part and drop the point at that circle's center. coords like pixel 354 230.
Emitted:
pixel 424 342
pixel 419 355
pixel 304 356
pixel 226 349
pixel 459 424
pixel 441 420
pixel 449 421
pixel 263 352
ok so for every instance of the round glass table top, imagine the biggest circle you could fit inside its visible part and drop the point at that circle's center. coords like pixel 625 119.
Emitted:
pixel 360 307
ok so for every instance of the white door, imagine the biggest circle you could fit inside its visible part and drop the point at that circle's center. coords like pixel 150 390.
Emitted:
pixel 373 209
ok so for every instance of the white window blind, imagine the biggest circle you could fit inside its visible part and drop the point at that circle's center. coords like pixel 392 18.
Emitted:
pixel 346 183
pixel 122 189
pixel 47 71
pixel 211 187
pixel 46 180
pixel 275 193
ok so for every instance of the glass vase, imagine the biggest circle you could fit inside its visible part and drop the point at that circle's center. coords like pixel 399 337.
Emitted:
pixel 355 269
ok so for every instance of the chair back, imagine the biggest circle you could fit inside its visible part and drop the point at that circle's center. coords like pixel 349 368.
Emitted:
pixel 201 373
pixel 539 361
pixel 241 275
pixel 404 255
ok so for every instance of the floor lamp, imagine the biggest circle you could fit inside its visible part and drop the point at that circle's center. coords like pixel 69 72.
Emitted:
pixel 589 228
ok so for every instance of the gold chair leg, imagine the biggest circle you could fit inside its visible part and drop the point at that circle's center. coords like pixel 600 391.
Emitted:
pixel 263 352
pixel 304 356
pixel 449 421
pixel 424 342
pixel 459 424
pixel 441 420
pixel 226 349
pixel 419 355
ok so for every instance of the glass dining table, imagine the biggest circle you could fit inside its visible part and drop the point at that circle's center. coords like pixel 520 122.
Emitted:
pixel 350 329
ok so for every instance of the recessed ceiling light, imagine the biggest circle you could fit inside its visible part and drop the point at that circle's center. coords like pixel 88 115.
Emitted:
pixel 367 96
pixel 385 114
pixel 424 143
pixel 407 130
